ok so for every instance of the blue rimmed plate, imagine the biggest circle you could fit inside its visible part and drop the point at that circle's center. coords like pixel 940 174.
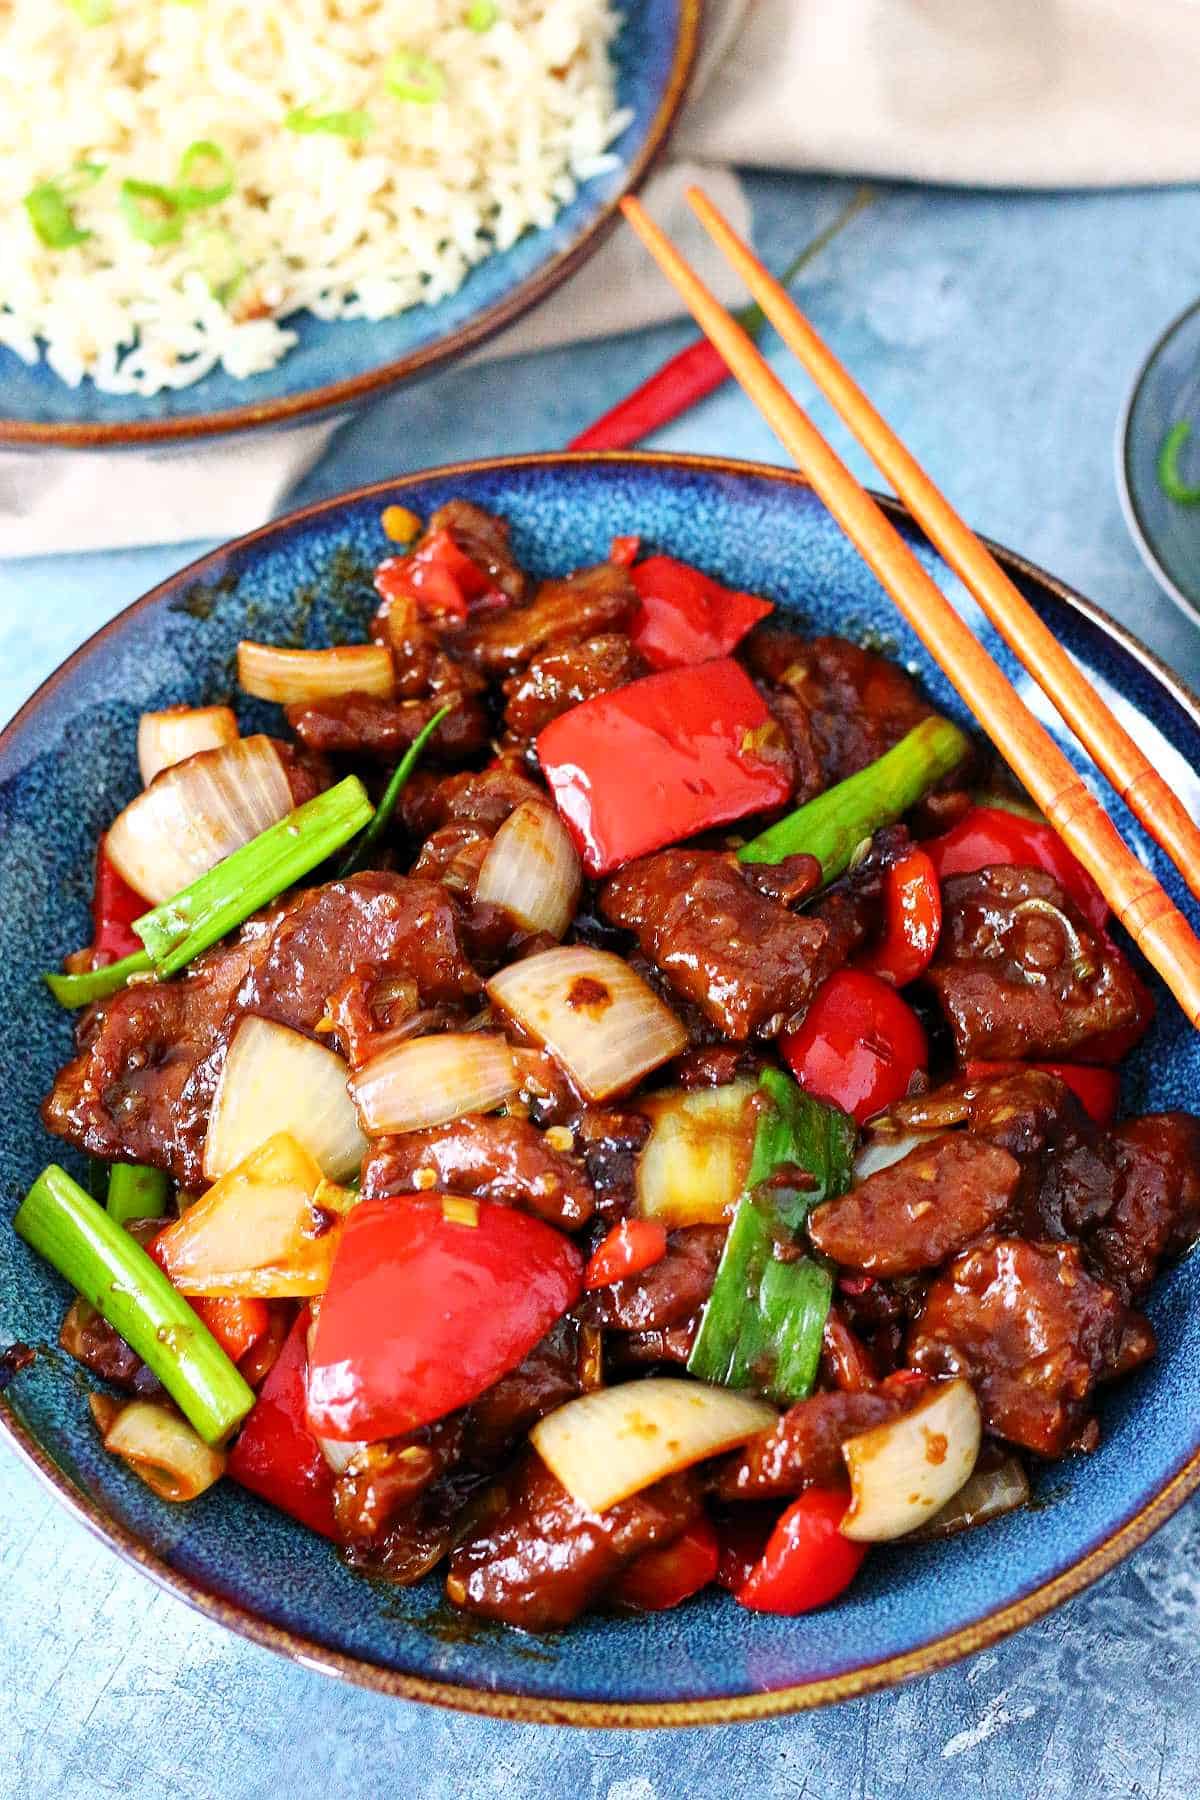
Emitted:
pixel 68 762
pixel 1165 392
pixel 338 365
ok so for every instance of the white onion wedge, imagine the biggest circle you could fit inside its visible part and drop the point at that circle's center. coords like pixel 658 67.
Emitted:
pixel 160 1447
pixel 270 672
pixel 615 1441
pixel 601 1021
pixel 988 1495
pixel 431 1080
pixel 267 1230
pixel 170 737
pixel 532 870
pixel 693 1167
pixel 193 815
pixel 903 1472
pixel 881 1151
pixel 274 1080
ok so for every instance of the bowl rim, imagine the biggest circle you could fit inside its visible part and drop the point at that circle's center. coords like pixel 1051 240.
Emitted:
pixel 354 390
pixel 951 1646
pixel 1135 521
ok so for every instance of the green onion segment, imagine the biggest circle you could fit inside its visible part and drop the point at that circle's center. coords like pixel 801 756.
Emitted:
pixel 1170 475
pixel 114 1274
pixel 51 217
pixel 92 12
pixel 357 856
pixel 354 122
pixel 136 1192
pixel 97 984
pixel 151 211
pixel 832 826
pixel 797 1132
pixel 190 193
pixel 412 77
pixel 482 15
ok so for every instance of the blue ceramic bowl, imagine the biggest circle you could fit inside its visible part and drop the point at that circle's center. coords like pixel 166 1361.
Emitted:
pixel 338 365
pixel 67 763
pixel 1166 389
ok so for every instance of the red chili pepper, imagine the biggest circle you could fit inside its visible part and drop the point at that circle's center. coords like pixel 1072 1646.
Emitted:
pixel 1097 1090
pixel 236 1324
pixel 660 1579
pixel 623 551
pixel 441 578
pixel 430 1301
pixel 807 1562
pixel 686 617
pixel 743 1536
pixel 276 1456
pixel 912 903
pixel 859 1046
pixel 989 835
pixel 630 1247
pixel 114 908
pixel 661 759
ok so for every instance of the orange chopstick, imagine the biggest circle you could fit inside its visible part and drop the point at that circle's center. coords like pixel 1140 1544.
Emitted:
pixel 1155 924
pixel 1102 735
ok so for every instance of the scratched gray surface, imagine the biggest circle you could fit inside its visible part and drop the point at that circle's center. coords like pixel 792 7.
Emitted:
pixel 999 333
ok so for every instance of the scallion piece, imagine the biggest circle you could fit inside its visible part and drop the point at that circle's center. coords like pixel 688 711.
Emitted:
pixel 1170 475
pixel 152 212
pixel 115 1275
pixel 482 15
pixel 92 12
pixel 358 854
pixel 832 826
pixel 795 1131
pixel 191 194
pixel 212 905
pixel 354 122
pixel 97 984
pixel 51 217
pixel 136 1192
pixel 412 77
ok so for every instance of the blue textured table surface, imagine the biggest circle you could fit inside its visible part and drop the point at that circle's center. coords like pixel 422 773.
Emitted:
pixel 999 334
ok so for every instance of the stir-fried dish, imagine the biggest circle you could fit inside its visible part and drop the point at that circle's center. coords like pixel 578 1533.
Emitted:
pixel 621 1096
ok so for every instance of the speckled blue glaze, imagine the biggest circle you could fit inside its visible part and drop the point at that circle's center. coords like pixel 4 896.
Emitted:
pixel 644 53
pixel 68 763
pixel 1166 389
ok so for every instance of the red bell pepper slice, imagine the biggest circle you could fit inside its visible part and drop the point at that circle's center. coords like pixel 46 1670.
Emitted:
pixel 989 835
pixel 441 578
pixel 912 901
pixel 859 1046
pixel 430 1301
pixel 1097 1090
pixel 114 908
pixel 807 1561
pixel 662 759
pixel 630 1247
pixel 276 1456
pixel 685 616
pixel 236 1324
pixel 660 1579
pixel 623 551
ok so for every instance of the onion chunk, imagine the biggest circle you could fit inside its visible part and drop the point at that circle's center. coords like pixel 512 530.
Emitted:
pixel 532 870
pixel 170 737
pixel 276 1079
pixel 159 1446
pixel 904 1472
pixel 430 1080
pixel 693 1167
pixel 294 676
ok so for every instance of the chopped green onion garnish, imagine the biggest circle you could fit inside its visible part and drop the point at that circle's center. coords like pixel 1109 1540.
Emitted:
pixel 52 218
pixel 97 984
pixel 1170 475
pixel 192 194
pixel 183 927
pixel 115 1275
pixel 152 212
pixel 795 1131
pixel 355 122
pixel 482 15
pixel 92 12
pixel 383 812
pixel 219 262
pixel 832 826
pixel 412 77
pixel 136 1192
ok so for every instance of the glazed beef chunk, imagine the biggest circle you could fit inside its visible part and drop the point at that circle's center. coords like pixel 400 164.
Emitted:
pixel 917 1212
pixel 583 605
pixel 485 539
pixel 745 961
pixel 841 706
pixel 366 725
pixel 1034 1333
pixel 560 679
pixel 666 1294
pixel 485 800
pixel 1019 973
pixel 805 1448
pixel 502 1159
pixel 540 1559
pixel 149 1058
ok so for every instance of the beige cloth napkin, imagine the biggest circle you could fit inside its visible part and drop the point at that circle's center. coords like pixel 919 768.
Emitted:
pixel 1037 93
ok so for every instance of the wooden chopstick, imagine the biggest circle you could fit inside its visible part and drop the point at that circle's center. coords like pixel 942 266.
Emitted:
pixel 1155 924
pixel 1102 735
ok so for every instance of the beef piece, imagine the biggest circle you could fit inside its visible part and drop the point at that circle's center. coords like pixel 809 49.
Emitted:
pixel 792 879
pixel 484 800
pixel 366 725
pixel 795 721
pixel 91 1340
pixel 383 1479
pixel 805 1448
pixel 917 1212
pixel 307 773
pixel 141 1087
pixel 541 1559
pixel 485 539
pixel 858 704
pixel 609 1141
pixel 548 1377
pixel 587 604
pixel 564 678
pixel 502 1159
pixel 636 1349
pixel 846 1363
pixel 665 1294
pixel 1033 1332
pixel 1131 1196
pixel 715 1066
pixel 454 854
pixel 748 963
pixel 1020 973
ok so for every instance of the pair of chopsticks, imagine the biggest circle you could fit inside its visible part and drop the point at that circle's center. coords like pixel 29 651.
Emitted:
pixel 1155 924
